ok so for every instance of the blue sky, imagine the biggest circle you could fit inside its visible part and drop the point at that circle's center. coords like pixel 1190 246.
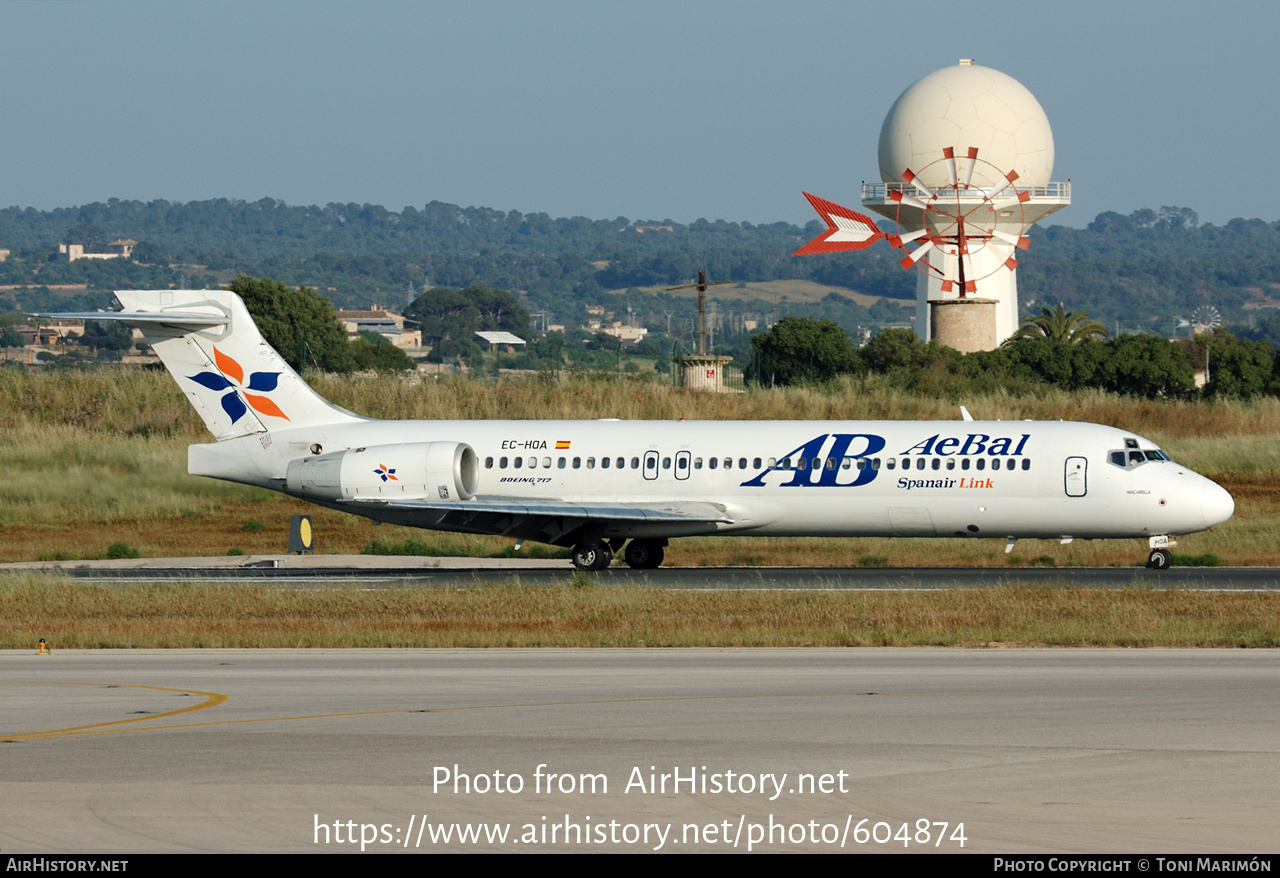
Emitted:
pixel 648 110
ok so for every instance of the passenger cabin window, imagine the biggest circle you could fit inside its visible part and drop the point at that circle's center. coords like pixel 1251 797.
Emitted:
pixel 488 463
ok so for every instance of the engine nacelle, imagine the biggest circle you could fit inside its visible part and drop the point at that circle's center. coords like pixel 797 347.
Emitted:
pixel 431 470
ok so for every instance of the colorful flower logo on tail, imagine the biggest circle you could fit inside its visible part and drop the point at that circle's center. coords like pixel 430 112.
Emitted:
pixel 232 404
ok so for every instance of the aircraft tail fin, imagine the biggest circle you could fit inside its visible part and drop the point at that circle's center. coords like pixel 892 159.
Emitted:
pixel 213 349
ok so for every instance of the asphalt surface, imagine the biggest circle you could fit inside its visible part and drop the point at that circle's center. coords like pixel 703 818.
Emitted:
pixel 1174 751
pixel 331 570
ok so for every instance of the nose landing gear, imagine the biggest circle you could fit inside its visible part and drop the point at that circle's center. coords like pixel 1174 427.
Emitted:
pixel 1160 558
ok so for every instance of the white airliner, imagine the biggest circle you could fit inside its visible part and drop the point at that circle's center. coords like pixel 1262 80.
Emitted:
pixel 597 485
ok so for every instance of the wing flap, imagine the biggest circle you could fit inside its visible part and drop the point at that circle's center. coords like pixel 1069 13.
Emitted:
pixel 544 520
pixel 710 513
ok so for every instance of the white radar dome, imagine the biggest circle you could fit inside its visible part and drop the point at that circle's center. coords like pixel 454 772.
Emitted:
pixel 961 107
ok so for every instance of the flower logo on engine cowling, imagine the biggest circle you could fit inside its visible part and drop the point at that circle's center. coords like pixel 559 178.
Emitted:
pixel 385 473
pixel 231 378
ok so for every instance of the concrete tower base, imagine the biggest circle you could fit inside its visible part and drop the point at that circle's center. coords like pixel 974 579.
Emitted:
pixel 967 325
pixel 703 371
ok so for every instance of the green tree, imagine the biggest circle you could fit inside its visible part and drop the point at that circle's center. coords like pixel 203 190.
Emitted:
pixel 449 319
pixel 1237 367
pixel 296 322
pixel 107 335
pixel 892 349
pixel 1059 325
pixel 1148 366
pixel 380 357
pixel 800 349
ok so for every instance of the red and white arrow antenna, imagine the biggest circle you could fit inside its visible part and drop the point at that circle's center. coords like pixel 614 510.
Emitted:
pixel 846 229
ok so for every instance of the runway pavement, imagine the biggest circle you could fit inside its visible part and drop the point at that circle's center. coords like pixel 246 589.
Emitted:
pixel 276 750
pixel 331 570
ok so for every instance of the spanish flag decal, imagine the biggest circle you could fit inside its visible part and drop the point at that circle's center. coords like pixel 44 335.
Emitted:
pixel 563 443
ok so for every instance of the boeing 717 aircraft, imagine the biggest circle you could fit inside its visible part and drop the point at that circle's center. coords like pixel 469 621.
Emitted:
pixel 597 486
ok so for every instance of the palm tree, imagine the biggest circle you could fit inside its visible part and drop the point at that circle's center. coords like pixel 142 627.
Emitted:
pixel 1059 325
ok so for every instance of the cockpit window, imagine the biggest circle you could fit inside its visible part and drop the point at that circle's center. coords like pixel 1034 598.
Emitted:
pixel 1132 457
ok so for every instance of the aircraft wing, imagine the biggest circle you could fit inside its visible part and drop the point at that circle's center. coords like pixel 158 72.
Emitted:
pixel 544 520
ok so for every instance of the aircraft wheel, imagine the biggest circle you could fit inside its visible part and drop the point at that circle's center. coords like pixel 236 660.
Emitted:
pixel 592 557
pixel 1160 559
pixel 644 554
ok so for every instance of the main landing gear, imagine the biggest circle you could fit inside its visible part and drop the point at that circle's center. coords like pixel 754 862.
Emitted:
pixel 640 554
pixel 596 557
pixel 644 554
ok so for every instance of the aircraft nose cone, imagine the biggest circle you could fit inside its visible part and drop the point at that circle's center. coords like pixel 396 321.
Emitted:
pixel 1216 504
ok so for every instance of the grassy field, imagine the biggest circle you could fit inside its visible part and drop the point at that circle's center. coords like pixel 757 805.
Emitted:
pixel 95 459
pixel 580 614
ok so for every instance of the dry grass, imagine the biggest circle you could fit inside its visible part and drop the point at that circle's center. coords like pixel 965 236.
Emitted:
pixel 75 615
pixel 95 458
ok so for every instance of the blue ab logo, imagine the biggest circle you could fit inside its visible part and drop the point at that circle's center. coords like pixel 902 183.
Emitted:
pixel 866 446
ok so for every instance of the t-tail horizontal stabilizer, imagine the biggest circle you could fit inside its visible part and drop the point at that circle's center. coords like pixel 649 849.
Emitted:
pixel 212 348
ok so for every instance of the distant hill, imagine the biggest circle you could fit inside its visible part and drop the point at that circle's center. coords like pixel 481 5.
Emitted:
pixel 1137 271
